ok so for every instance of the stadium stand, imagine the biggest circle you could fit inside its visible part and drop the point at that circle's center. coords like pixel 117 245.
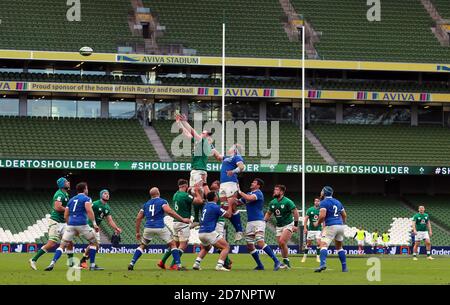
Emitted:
pixel 254 28
pixel 21 221
pixel 379 144
pixel 232 81
pixel 404 35
pixel 438 206
pixel 42 25
pixel 288 153
pixel 382 213
pixel 378 85
pixel 69 78
pixel 35 137
pixel 443 7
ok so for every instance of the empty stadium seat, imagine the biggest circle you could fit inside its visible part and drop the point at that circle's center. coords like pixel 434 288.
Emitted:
pixel 25 137
pixel 379 144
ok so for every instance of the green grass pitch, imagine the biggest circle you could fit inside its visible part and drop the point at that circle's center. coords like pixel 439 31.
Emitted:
pixel 14 269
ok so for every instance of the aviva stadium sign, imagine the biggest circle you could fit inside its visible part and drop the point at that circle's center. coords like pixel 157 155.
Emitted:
pixel 215 167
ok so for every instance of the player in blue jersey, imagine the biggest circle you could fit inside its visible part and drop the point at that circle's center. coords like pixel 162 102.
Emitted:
pixel 208 235
pixel 256 226
pixel 232 165
pixel 333 215
pixel 153 211
pixel 76 214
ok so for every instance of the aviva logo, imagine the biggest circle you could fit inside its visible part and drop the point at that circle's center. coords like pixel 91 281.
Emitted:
pixel 443 68
pixel 127 58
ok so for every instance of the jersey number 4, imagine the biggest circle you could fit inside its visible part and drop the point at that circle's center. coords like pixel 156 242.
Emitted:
pixel 151 209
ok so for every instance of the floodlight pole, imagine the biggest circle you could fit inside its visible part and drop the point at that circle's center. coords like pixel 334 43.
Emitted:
pixel 223 88
pixel 303 123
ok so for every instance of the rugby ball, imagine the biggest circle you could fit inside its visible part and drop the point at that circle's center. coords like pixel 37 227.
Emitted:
pixel 86 51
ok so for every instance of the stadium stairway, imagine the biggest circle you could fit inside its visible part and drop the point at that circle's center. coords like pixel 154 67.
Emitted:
pixel 157 144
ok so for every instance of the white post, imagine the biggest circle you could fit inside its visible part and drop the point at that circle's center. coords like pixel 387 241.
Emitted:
pixel 223 88
pixel 303 123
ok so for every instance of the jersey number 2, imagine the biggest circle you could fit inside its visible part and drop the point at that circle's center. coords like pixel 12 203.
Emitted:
pixel 335 211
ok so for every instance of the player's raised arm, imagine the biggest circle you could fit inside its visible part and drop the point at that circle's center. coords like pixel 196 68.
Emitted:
pixel 198 198
pixel 112 224
pixel 168 210
pixel 216 155
pixel 248 197
pixel 139 218
pixel 189 131
pixel 240 168
pixel 226 213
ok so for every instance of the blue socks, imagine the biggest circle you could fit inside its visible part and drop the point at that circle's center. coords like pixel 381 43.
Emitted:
pixel 343 259
pixel 236 221
pixel 323 257
pixel 136 256
pixel 269 252
pixel 92 253
pixel 57 255
pixel 255 255
pixel 176 253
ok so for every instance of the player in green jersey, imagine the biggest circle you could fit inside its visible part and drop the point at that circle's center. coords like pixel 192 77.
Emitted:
pixel 286 215
pixel 56 223
pixel 421 225
pixel 202 149
pixel 312 232
pixel 102 211
pixel 182 204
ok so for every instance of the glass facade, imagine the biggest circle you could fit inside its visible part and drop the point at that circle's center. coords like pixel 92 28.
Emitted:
pixel 9 106
pixel 210 110
pixel 279 111
pixel 166 109
pixel 39 106
pixel 88 109
pixel 242 110
pixel 322 113
pixel 58 107
pixel 122 109
pixel 64 108
pixel 430 115
pixel 376 114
